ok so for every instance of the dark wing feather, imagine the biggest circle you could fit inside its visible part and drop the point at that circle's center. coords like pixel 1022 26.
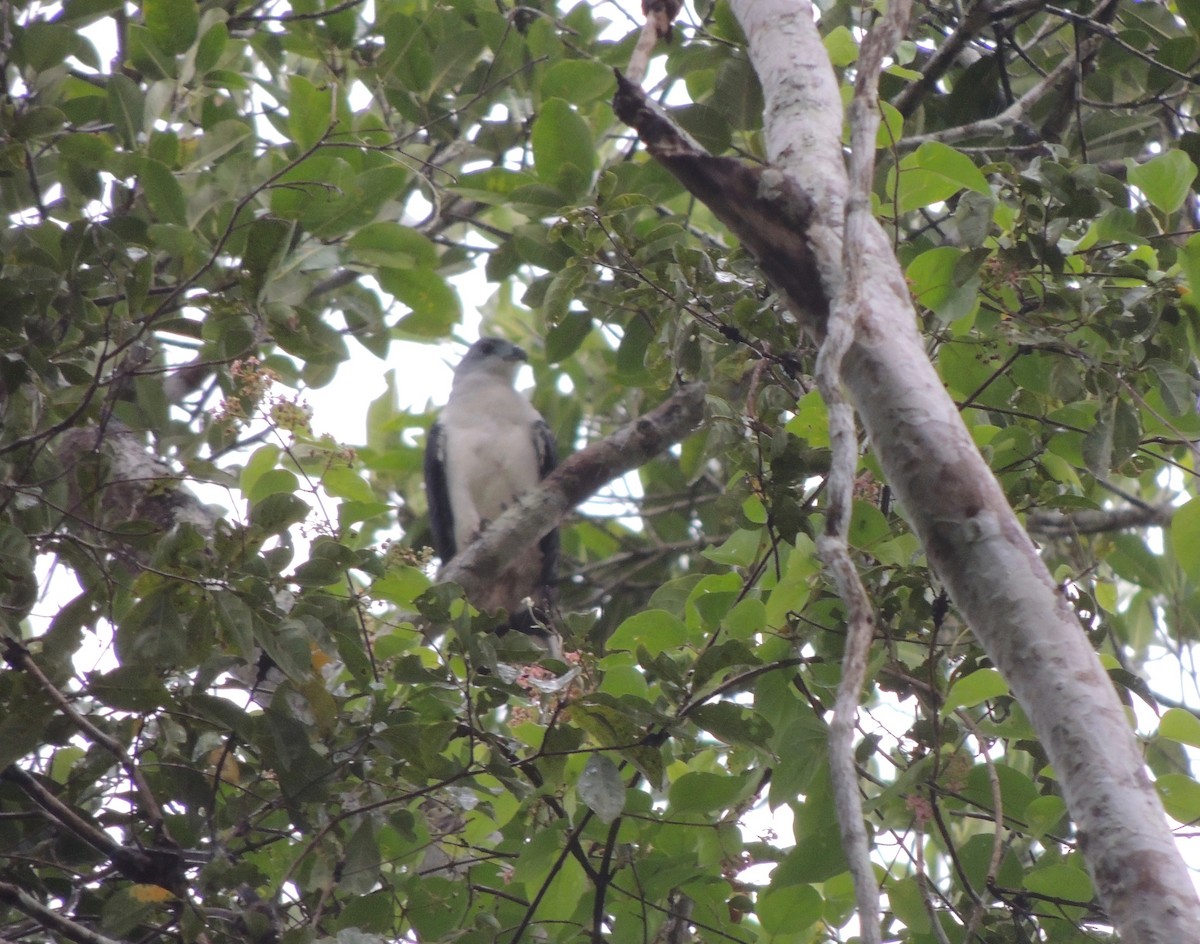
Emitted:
pixel 441 515
pixel 547 454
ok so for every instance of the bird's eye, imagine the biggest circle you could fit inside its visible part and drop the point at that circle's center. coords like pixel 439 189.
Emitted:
pixel 488 347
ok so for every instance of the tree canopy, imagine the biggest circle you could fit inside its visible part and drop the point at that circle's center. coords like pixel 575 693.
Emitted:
pixel 256 717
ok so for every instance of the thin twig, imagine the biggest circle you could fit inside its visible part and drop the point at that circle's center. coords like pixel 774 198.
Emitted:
pixel 21 900
pixel 18 657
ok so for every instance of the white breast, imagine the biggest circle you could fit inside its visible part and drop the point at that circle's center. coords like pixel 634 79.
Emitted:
pixel 490 455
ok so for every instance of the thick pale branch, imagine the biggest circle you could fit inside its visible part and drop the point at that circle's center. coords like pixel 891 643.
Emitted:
pixel 573 482
pixel 832 544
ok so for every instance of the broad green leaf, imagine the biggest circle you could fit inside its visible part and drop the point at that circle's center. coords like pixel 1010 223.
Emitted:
pixel 840 44
pixel 435 305
pixel 563 151
pixel 939 284
pixel 601 788
pixel 932 174
pixel 610 727
pixel 163 192
pixel 1165 179
pixel 42 45
pixel 173 23
pixel 971 690
pixel 1043 814
pixel 346 483
pixel 1061 882
pixel 310 111
pixel 578 81
pixel 1180 725
pixel 733 724
pixel 789 910
pixel 393 246
pixel 702 792
pixel 1190 11
pixel 1185 537
pixel 655 630
pixel 1180 796
pixel 739 550
pixel 279 510
pixel 126 108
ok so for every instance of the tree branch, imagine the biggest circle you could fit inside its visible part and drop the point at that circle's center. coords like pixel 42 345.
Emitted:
pixel 26 904
pixel 845 312
pixel 978 16
pixel 1015 112
pixel 162 867
pixel 538 512
pixel 1056 524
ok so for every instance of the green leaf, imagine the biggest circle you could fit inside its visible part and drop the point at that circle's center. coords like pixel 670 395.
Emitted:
pixel 702 792
pixel 1043 814
pixel 267 245
pixel 1098 442
pixel 563 151
pixel 1185 538
pixel 973 689
pixel 126 108
pixel 278 512
pixel 939 284
pixel 310 111
pixel 611 727
pixel 173 23
pixel 44 45
pixel 1061 882
pixel 600 788
pixel 578 81
pixel 739 550
pixel 931 174
pixel 1180 725
pixel 163 192
pixel 348 484
pixel 734 724
pixel 1180 796
pixel 129 688
pixel 566 337
pixel 789 910
pixel 1165 179
pixel 840 44
pixel 435 306
pixel 393 246
pixel 1190 11
pixel 655 630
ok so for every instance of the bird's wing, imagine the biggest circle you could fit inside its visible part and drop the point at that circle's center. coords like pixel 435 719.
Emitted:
pixel 441 512
pixel 547 456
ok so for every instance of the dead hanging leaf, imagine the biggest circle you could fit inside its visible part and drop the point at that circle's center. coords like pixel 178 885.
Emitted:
pixel 229 771
pixel 150 894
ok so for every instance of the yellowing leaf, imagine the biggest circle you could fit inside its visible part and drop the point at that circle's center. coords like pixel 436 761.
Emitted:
pixel 150 894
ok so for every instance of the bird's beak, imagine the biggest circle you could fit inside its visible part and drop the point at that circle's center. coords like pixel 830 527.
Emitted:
pixel 516 354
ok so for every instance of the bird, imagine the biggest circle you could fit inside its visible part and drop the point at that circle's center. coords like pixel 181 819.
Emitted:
pixel 487 448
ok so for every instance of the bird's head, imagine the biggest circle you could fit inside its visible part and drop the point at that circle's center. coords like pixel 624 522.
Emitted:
pixel 493 356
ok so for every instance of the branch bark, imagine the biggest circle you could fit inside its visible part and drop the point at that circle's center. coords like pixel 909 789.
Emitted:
pixel 794 219
pixel 848 306
pixel 573 482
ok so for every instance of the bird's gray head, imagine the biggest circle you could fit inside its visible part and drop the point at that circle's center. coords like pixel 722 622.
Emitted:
pixel 491 356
